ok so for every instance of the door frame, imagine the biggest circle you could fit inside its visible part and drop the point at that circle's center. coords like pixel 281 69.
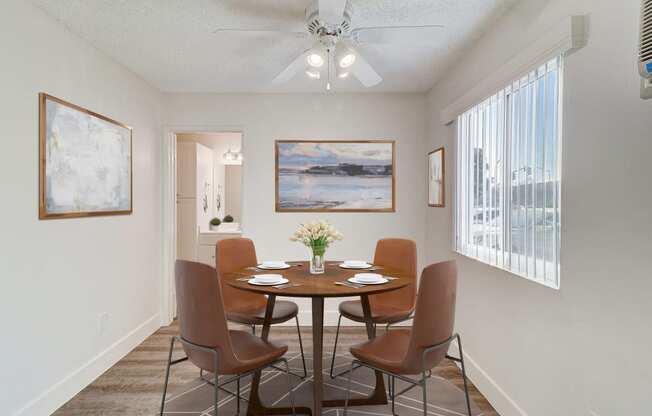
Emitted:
pixel 168 195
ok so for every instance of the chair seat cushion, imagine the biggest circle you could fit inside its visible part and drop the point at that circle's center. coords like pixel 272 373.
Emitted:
pixel 253 351
pixel 386 351
pixel 248 315
pixel 250 351
pixel 380 314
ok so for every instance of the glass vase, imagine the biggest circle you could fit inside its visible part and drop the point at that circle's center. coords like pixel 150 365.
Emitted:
pixel 317 260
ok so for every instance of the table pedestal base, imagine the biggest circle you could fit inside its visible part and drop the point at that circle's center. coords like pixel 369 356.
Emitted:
pixel 377 397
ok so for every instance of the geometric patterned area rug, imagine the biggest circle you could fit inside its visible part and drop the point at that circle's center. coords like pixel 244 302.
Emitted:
pixel 196 397
pixel 133 386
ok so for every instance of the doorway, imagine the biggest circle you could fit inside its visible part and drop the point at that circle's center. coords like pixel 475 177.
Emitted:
pixel 203 200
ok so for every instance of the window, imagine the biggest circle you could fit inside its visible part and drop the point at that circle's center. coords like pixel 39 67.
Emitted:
pixel 507 207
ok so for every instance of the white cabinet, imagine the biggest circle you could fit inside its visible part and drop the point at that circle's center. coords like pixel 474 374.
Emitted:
pixel 195 204
pixel 206 255
pixel 186 170
pixel 186 229
pixel 207 242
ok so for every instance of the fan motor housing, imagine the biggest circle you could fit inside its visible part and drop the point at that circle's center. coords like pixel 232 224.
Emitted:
pixel 318 28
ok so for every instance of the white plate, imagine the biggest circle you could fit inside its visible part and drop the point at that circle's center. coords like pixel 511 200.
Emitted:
pixel 368 277
pixel 380 281
pixel 266 278
pixel 347 266
pixel 278 282
pixel 279 267
pixel 355 263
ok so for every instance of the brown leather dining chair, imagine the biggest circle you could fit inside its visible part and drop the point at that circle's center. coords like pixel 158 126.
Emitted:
pixel 206 339
pixel 391 307
pixel 246 307
pixel 402 352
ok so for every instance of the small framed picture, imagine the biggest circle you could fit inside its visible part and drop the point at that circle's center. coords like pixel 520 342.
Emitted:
pixel 436 178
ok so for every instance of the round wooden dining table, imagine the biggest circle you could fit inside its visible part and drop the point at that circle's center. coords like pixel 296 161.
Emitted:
pixel 317 287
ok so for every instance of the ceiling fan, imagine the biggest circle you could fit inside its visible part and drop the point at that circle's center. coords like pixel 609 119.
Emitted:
pixel 335 43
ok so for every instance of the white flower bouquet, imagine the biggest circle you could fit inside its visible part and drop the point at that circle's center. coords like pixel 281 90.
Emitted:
pixel 318 236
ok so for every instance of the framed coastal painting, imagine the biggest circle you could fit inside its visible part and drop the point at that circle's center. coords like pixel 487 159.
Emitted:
pixel 85 163
pixel 436 178
pixel 335 176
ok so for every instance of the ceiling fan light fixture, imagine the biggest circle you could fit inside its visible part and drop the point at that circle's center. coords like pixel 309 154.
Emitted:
pixel 313 73
pixel 315 60
pixel 232 156
pixel 347 60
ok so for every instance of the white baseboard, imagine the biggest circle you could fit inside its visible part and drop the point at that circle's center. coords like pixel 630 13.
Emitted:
pixel 57 395
pixel 499 399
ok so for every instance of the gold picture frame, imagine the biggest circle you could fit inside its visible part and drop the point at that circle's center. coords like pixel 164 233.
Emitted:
pixel 364 171
pixel 45 211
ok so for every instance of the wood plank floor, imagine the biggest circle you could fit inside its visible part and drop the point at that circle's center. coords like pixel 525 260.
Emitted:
pixel 133 386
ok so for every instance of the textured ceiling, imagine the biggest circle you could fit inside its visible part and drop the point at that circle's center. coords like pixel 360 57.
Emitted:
pixel 171 44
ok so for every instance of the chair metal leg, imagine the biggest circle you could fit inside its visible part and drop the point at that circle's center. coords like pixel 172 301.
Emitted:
pixel 253 329
pixel 290 386
pixel 303 357
pixel 337 334
pixel 167 376
pixel 393 394
pixel 424 385
pixel 348 390
pixel 216 388
pixel 237 383
pixel 466 387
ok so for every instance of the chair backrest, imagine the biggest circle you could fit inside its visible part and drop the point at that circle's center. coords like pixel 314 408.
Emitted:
pixel 234 254
pixel 400 254
pixel 434 317
pixel 201 314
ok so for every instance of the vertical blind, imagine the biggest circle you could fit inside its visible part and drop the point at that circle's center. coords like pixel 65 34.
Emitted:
pixel 507 199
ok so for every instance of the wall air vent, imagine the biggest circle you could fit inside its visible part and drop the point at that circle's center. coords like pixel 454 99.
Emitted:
pixel 645 49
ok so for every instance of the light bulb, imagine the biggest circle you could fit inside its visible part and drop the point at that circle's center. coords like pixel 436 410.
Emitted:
pixel 328 86
pixel 313 73
pixel 315 60
pixel 347 60
pixel 343 75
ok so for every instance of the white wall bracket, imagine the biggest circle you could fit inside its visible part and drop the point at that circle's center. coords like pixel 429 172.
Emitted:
pixel 646 88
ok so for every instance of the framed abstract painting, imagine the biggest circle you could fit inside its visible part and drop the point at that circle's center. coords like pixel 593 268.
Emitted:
pixel 436 178
pixel 85 163
pixel 335 176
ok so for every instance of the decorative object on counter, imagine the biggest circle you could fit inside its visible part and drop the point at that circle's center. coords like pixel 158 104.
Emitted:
pixel 436 178
pixel 335 176
pixel 318 236
pixel 85 163
pixel 218 198
pixel 228 218
pixel 215 222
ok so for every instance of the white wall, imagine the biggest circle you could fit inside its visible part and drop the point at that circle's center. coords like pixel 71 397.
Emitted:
pixel 586 347
pixel 59 276
pixel 264 118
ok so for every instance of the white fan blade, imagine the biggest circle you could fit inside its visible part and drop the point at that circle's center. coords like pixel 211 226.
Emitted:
pixel 291 70
pixel 364 72
pixel 420 35
pixel 332 11
pixel 245 31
